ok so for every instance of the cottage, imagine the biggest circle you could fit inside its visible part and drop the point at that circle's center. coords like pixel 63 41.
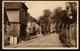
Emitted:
pixel 31 26
pixel 31 21
pixel 17 15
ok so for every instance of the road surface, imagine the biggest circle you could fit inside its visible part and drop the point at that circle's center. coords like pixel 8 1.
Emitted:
pixel 50 40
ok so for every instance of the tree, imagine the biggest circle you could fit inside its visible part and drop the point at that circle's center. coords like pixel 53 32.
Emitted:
pixel 45 19
pixel 58 16
pixel 71 8
pixel 61 19
pixel 47 13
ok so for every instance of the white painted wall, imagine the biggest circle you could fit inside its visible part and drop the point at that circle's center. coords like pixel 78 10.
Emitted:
pixel 28 24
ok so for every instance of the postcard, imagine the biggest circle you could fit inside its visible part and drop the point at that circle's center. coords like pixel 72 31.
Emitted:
pixel 40 25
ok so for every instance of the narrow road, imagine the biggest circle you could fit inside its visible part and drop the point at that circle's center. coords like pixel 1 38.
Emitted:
pixel 51 40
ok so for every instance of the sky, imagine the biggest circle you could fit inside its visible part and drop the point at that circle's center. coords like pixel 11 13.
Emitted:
pixel 35 8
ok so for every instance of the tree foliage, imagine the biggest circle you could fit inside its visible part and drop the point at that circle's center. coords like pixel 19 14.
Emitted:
pixel 60 16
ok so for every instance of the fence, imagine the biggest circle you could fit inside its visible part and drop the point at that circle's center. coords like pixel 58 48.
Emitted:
pixel 69 35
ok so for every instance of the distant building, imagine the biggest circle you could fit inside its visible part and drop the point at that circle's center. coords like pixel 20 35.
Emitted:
pixel 31 20
pixel 31 24
pixel 52 27
pixel 17 15
pixel 39 28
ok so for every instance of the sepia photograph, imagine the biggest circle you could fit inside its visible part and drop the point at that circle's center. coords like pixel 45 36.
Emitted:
pixel 40 25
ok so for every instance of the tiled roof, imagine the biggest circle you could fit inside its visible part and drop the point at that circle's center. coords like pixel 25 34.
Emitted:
pixel 13 13
pixel 14 5
pixel 30 18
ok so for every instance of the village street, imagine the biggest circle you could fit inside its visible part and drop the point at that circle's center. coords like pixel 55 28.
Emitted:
pixel 39 25
pixel 50 40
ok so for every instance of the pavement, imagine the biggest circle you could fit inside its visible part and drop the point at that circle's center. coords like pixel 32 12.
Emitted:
pixel 50 40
